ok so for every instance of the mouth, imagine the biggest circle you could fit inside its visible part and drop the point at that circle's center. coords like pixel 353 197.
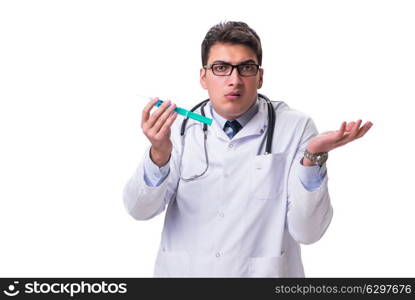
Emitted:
pixel 233 95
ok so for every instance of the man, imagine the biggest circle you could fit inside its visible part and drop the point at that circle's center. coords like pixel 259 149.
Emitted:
pixel 233 211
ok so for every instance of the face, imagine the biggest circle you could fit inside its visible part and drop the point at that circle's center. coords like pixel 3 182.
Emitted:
pixel 231 96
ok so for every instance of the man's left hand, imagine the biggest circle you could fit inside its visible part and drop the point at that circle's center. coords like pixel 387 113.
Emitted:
pixel 330 140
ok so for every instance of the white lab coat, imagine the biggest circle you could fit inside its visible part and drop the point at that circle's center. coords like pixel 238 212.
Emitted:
pixel 247 215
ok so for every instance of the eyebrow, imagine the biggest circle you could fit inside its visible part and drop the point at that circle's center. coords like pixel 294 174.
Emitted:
pixel 226 62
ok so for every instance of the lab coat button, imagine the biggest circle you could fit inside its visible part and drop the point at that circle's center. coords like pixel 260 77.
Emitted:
pixel 217 254
pixel 221 214
pixel 230 145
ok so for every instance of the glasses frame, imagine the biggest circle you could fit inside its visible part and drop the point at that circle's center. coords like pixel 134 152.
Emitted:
pixel 210 67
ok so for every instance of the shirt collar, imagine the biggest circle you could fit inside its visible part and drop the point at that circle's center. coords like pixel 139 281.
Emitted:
pixel 243 120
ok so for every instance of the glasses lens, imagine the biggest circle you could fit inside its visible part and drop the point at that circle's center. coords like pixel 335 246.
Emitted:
pixel 248 70
pixel 221 69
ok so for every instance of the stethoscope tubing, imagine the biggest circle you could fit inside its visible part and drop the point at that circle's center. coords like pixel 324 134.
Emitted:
pixel 271 121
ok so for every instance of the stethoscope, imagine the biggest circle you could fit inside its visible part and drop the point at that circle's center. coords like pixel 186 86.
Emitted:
pixel 269 135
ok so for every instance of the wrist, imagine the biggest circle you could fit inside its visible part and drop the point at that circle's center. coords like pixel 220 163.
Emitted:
pixel 308 163
pixel 160 158
pixel 313 150
pixel 314 158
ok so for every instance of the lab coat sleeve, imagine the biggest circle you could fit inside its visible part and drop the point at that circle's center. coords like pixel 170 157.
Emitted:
pixel 153 174
pixel 309 212
pixel 143 201
pixel 312 177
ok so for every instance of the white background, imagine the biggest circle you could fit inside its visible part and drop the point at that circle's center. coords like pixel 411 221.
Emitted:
pixel 70 133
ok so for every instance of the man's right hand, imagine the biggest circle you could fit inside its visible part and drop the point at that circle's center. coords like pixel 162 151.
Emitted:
pixel 156 128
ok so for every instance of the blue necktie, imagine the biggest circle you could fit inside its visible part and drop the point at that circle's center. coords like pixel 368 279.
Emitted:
pixel 231 128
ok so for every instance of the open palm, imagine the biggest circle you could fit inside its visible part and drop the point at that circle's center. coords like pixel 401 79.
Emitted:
pixel 330 140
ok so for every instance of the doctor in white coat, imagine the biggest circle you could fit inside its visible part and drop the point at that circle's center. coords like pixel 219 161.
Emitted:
pixel 233 210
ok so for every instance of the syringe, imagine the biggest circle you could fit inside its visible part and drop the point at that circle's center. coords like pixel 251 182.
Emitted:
pixel 184 112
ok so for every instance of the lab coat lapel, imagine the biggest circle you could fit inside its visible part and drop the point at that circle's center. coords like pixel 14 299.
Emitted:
pixel 215 128
pixel 255 126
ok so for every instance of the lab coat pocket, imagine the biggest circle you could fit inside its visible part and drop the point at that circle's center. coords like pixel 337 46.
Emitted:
pixel 267 266
pixel 268 175
pixel 172 264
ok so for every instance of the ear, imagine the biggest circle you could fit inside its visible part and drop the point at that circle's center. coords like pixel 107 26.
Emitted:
pixel 261 78
pixel 203 78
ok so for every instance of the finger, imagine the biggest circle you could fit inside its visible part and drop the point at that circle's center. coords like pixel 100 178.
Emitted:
pixel 162 119
pixel 354 131
pixel 348 137
pixel 167 125
pixel 365 128
pixel 350 125
pixel 146 111
pixel 337 134
pixel 341 130
pixel 156 115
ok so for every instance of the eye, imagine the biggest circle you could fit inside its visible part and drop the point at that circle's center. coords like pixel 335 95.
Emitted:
pixel 247 68
pixel 220 68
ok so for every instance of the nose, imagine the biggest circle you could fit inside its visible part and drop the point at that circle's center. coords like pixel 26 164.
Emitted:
pixel 234 79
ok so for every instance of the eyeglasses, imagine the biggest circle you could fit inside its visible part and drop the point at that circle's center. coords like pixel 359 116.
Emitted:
pixel 225 69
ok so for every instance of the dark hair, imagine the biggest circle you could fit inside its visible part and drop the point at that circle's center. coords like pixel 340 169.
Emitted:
pixel 233 33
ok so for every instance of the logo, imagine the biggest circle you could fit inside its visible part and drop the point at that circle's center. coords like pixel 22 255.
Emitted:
pixel 69 288
pixel 12 290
